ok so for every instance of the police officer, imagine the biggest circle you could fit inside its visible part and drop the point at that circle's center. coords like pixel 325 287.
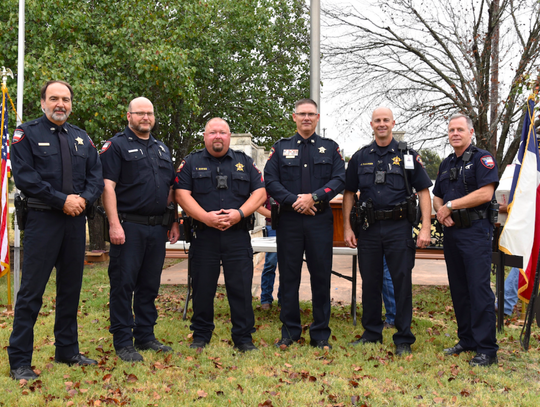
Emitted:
pixel 56 165
pixel 303 173
pixel 385 175
pixel 464 188
pixel 220 188
pixel 139 174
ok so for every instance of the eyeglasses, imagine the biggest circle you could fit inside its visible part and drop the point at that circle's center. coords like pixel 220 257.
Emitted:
pixel 215 133
pixel 310 115
pixel 142 114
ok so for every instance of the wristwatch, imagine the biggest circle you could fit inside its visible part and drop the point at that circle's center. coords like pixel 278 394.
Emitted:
pixel 449 205
pixel 315 197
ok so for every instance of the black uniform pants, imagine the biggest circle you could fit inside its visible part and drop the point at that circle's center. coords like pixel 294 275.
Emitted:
pixel 135 276
pixel 51 239
pixel 468 259
pixel 393 240
pixel 208 250
pixel 313 235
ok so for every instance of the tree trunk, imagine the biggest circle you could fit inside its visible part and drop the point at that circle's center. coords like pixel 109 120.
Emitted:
pixel 96 230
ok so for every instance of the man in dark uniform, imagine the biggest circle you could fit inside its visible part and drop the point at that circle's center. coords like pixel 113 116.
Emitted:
pixel 139 174
pixel 303 174
pixel 464 188
pixel 57 167
pixel 220 188
pixel 385 175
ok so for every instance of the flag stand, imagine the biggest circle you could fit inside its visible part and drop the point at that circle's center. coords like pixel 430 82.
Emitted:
pixel 529 316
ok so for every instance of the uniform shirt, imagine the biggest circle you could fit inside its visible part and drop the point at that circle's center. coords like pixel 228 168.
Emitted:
pixel 364 164
pixel 197 173
pixel 143 172
pixel 37 162
pixel 480 171
pixel 283 170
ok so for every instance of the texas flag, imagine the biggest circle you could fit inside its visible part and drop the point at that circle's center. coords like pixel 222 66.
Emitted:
pixel 521 233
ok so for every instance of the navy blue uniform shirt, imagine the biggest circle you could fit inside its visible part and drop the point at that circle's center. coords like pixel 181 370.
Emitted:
pixel 143 172
pixel 197 173
pixel 364 164
pixel 480 171
pixel 283 171
pixel 37 162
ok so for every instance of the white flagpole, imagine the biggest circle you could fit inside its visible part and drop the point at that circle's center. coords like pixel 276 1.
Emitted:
pixel 315 55
pixel 20 92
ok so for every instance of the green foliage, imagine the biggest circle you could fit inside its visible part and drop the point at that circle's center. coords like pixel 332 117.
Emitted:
pixel 368 375
pixel 244 60
pixel 431 162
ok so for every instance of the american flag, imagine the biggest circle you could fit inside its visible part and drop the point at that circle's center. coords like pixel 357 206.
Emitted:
pixel 4 237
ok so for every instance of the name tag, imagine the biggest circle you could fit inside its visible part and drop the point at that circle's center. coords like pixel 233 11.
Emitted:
pixel 44 144
pixel 290 153
pixel 409 162
pixel 133 151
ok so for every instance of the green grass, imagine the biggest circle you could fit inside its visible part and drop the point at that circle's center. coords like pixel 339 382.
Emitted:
pixel 299 376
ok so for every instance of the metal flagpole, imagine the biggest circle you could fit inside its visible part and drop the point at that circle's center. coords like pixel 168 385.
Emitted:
pixel 315 56
pixel 20 92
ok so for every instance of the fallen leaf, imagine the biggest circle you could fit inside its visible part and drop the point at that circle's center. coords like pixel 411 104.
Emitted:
pixel 201 394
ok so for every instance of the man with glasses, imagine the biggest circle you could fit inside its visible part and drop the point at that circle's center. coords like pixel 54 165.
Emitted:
pixel 385 172
pixel 57 167
pixel 220 188
pixel 138 200
pixel 303 173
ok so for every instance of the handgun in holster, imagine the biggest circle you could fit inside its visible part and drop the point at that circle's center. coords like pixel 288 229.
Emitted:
pixel 274 213
pixel 169 216
pixel 101 212
pixel 21 209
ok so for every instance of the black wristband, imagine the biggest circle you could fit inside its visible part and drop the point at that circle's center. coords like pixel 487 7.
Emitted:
pixel 241 213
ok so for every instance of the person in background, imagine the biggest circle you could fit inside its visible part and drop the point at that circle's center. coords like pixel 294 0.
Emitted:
pixel 270 261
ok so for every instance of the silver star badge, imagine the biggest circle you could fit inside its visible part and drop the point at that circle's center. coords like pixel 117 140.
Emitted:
pixel 322 150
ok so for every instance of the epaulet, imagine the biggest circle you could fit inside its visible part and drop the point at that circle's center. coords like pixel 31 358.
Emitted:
pixel 75 127
pixel 286 138
pixel 32 123
pixel 193 152
pixel 238 151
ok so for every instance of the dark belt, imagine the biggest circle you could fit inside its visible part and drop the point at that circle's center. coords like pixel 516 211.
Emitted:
pixel 476 215
pixel 140 219
pixel 390 215
pixel 34 203
pixel 320 206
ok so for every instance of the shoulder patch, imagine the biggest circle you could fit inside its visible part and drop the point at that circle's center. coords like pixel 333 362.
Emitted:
pixel 419 159
pixel 105 147
pixel 339 152
pixel 90 140
pixel 272 151
pixel 18 135
pixel 488 162
pixel 181 166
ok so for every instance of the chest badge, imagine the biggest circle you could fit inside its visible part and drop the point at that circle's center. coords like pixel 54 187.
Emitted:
pixel 322 150
pixel 239 167
pixel 79 141
pixel 396 160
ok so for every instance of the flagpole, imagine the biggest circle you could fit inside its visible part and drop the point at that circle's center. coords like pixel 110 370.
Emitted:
pixel 20 93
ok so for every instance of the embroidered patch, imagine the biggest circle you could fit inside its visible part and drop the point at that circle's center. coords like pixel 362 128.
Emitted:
pixel 339 152
pixel 272 151
pixel 181 166
pixel 419 159
pixel 90 140
pixel 17 136
pixel 105 147
pixel 488 162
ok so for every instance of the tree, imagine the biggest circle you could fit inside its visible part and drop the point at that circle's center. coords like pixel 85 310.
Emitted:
pixel 432 58
pixel 243 60
pixel 432 161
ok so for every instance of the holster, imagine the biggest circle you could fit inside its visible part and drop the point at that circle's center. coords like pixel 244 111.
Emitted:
pixel 413 210
pixel 274 215
pixel 169 216
pixel 493 214
pixel 21 210
pixel 370 213
pixel 187 224
pixel 101 212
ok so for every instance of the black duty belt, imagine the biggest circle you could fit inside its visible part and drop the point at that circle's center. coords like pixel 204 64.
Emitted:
pixel 34 203
pixel 476 215
pixel 391 214
pixel 140 219
pixel 320 206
